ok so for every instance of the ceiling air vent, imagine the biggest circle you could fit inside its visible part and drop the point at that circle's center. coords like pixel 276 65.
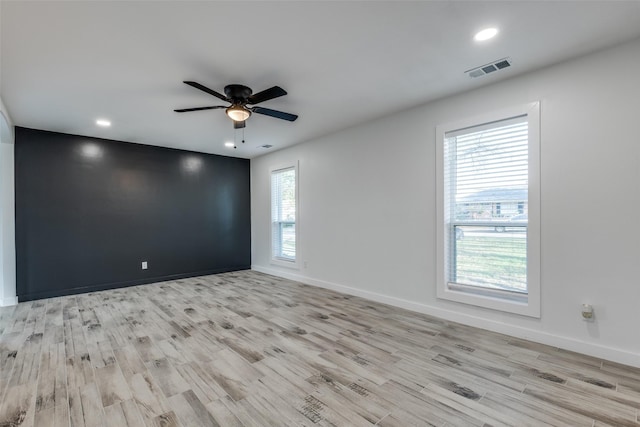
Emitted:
pixel 489 68
pixel 266 146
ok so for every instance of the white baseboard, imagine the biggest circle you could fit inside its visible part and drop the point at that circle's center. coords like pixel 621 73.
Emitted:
pixel 572 344
pixel 5 302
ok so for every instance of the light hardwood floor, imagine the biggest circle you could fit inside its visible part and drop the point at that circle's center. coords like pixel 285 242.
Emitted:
pixel 249 349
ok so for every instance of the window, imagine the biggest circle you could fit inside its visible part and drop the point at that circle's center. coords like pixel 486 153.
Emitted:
pixel 488 211
pixel 283 215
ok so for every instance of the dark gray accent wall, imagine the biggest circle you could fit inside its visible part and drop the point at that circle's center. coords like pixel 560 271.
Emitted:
pixel 89 211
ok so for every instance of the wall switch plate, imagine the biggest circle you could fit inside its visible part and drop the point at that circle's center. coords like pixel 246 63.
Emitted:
pixel 144 265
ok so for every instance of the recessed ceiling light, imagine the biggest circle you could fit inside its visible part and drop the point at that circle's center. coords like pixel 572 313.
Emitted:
pixel 229 144
pixel 486 34
pixel 104 123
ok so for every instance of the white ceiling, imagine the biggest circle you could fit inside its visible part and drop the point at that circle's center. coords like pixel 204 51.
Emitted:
pixel 65 64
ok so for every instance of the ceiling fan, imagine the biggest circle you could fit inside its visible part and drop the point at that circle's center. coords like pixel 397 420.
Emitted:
pixel 240 96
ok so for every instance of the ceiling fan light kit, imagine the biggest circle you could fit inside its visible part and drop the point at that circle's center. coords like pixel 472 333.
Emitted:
pixel 239 96
pixel 238 113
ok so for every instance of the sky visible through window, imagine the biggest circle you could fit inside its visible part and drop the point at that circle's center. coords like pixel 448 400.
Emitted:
pixel 490 158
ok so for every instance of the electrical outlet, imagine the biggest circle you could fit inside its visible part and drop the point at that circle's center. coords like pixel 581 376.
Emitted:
pixel 145 265
pixel 587 311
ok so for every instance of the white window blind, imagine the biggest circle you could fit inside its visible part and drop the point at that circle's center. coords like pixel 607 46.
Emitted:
pixel 486 207
pixel 283 214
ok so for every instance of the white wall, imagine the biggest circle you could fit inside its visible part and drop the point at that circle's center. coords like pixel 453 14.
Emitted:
pixel 7 212
pixel 367 205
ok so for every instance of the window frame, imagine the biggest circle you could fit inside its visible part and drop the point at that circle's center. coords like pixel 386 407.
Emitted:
pixel 276 260
pixel 482 297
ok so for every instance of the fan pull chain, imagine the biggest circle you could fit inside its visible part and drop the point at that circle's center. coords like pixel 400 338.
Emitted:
pixel 243 135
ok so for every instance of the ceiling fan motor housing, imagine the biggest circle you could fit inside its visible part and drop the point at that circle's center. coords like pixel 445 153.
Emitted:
pixel 239 94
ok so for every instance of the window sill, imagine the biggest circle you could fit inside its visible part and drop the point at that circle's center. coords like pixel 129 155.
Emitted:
pixel 282 262
pixel 509 302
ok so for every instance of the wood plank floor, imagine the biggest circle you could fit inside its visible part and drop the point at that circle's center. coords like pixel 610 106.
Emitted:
pixel 248 349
